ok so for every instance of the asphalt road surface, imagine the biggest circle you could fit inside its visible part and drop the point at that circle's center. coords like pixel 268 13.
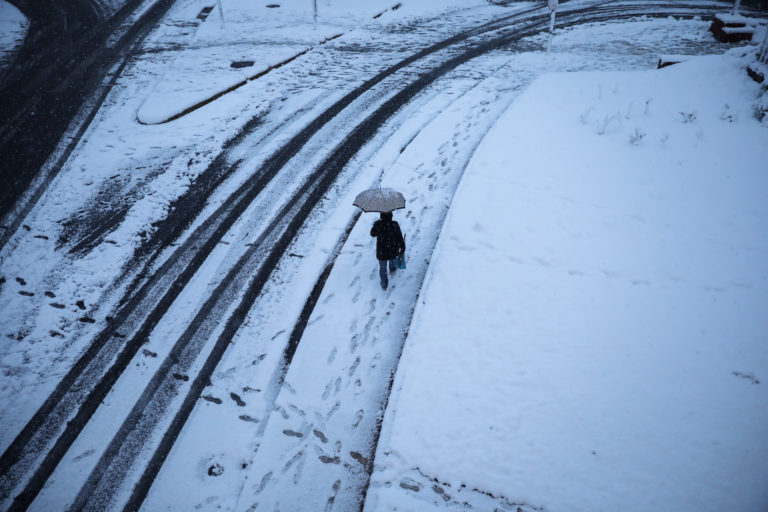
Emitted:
pixel 60 66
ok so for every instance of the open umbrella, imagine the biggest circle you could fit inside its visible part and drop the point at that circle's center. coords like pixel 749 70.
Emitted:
pixel 380 200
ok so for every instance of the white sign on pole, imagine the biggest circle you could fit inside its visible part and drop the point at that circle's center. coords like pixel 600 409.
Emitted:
pixel 552 4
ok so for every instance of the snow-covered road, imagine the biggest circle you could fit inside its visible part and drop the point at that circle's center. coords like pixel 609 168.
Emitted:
pixel 175 296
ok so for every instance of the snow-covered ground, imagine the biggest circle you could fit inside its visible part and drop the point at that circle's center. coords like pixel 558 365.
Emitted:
pixel 13 28
pixel 261 429
pixel 592 332
pixel 246 39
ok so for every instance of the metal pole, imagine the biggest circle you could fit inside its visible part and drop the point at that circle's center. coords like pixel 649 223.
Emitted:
pixel 314 2
pixel 551 31
pixel 221 12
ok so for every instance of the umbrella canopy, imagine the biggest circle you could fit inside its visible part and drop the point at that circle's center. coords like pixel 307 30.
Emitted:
pixel 380 200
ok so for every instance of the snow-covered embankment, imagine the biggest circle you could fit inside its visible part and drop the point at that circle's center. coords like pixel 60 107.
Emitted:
pixel 592 333
pixel 13 28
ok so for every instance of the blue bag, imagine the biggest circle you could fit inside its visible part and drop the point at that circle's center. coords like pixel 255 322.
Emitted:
pixel 400 261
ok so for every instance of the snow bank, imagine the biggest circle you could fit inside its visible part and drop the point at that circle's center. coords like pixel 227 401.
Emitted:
pixel 13 28
pixel 592 332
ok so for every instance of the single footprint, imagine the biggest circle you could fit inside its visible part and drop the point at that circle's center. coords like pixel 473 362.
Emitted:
pixel 327 391
pixel 332 410
pixel 264 481
pixel 282 412
pixel 353 368
pixel 299 470
pixel 298 411
pixel 409 484
pixel 292 461
pixel 358 418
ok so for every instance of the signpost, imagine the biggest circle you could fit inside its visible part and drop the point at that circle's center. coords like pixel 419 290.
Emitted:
pixel 762 54
pixel 552 4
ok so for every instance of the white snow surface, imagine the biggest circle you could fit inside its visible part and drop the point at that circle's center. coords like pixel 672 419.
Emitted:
pixel 265 37
pixel 591 335
pixel 338 380
pixel 734 19
pixel 13 28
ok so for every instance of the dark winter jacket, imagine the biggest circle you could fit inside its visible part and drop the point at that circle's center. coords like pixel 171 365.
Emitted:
pixel 389 239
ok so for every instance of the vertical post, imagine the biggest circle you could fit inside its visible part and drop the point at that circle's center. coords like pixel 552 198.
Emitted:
pixel 221 12
pixel 552 4
pixel 314 2
pixel 551 31
pixel 736 4
pixel 762 54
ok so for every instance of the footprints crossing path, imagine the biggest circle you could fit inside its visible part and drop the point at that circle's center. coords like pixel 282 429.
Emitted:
pixel 154 421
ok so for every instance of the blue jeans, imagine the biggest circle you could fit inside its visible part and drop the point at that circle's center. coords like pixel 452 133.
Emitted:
pixel 383 271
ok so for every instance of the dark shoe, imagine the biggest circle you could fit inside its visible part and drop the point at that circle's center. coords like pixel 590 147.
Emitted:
pixel 383 286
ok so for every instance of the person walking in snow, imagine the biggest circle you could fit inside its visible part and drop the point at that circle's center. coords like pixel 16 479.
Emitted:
pixel 389 244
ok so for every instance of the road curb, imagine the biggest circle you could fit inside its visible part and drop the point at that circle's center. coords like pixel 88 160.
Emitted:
pixel 219 94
